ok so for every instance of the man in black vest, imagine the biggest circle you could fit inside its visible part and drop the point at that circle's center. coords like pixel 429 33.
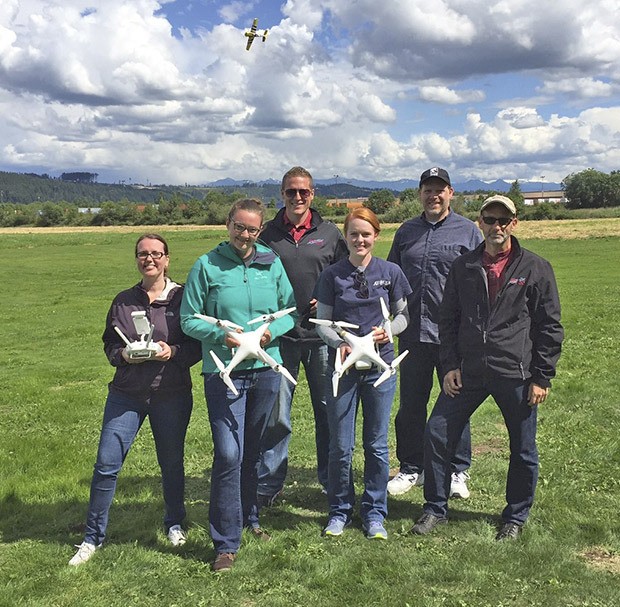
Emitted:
pixel 306 245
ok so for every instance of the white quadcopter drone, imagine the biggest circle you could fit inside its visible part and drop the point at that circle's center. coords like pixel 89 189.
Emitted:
pixel 145 347
pixel 249 345
pixel 364 353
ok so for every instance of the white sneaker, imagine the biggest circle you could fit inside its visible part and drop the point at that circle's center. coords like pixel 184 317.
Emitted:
pixel 176 535
pixel 402 482
pixel 458 485
pixel 84 553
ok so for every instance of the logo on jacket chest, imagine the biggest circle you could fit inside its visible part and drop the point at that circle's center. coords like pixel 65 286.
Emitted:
pixel 382 283
pixel 260 275
pixel 317 242
pixel 517 281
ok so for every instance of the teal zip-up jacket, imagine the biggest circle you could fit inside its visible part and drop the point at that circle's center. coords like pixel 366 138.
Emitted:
pixel 221 285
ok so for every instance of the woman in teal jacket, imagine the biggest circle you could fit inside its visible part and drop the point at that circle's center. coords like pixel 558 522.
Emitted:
pixel 237 281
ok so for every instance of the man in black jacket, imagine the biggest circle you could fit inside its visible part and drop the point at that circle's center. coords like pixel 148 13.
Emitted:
pixel 500 336
pixel 306 245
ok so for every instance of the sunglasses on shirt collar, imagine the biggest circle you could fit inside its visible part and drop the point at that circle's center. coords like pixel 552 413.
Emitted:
pixel 360 284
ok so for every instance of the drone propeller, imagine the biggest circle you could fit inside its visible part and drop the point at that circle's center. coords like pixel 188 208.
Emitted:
pixel 271 317
pixel 223 373
pixel 276 366
pixel 337 373
pixel 285 372
pixel 391 369
pixel 398 359
pixel 226 324
pixel 387 325
pixel 333 323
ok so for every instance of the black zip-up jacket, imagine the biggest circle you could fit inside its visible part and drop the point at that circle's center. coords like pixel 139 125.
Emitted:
pixel 519 337
pixel 139 380
pixel 321 246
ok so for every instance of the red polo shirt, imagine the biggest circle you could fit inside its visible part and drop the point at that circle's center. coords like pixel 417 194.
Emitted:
pixel 297 232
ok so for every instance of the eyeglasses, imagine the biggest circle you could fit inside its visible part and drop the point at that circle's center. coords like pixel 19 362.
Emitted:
pixel 240 228
pixel 152 254
pixel 292 192
pixel 503 221
pixel 361 285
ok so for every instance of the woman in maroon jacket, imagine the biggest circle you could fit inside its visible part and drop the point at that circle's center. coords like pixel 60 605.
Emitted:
pixel 156 384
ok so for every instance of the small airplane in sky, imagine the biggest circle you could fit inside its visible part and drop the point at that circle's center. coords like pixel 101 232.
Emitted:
pixel 249 345
pixel 253 34
pixel 364 352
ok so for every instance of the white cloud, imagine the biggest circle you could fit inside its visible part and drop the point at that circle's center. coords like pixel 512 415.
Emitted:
pixel 232 11
pixel 582 88
pixel 362 89
pixel 445 95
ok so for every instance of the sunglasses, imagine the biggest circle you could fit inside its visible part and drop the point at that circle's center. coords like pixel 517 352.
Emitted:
pixel 503 221
pixel 360 284
pixel 292 192
pixel 152 254
pixel 240 228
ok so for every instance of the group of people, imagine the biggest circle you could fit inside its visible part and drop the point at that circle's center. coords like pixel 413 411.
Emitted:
pixel 467 302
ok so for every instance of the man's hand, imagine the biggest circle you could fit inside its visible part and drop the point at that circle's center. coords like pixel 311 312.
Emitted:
pixel 452 383
pixel 536 395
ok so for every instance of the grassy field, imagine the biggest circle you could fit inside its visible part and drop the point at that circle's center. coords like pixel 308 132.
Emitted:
pixel 53 380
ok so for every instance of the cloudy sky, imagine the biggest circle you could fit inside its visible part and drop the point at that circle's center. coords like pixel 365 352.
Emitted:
pixel 164 91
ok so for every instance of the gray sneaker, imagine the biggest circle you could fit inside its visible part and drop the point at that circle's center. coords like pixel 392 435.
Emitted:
pixel 375 531
pixel 335 527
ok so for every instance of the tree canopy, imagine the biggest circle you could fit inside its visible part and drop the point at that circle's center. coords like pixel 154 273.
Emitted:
pixel 592 189
pixel 380 201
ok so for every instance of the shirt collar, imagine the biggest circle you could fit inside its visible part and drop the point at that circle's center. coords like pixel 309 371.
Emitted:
pixel 305 225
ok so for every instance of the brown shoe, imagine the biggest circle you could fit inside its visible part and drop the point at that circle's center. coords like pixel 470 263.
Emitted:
pixel 260 534
pixel 224 561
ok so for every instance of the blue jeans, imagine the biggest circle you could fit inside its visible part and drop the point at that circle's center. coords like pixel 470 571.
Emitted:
pixel 237 425
pixel 169 416
pixel 416 382
pixel 274 452
pixel 446 424
pixel 342 414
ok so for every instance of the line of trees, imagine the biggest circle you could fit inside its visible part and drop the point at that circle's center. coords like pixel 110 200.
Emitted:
pixel 173 210
pixel 588 189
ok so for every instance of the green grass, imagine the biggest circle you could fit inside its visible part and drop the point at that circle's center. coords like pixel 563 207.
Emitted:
pixel 57 288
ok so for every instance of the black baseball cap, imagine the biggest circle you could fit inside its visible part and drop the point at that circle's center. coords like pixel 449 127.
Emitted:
pixel 435 172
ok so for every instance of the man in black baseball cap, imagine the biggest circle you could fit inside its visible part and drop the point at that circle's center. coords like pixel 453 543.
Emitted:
pixel 425 247
pixel 437 172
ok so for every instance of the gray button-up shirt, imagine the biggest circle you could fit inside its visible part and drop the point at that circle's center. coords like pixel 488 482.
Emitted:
pixel 425 252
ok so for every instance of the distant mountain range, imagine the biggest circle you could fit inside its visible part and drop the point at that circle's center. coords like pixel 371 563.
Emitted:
pixel 24 188
pixel 473 185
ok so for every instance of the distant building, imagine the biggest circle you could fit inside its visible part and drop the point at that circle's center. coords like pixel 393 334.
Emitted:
pixel 349 203
pixel 89 210
pixel 532 198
